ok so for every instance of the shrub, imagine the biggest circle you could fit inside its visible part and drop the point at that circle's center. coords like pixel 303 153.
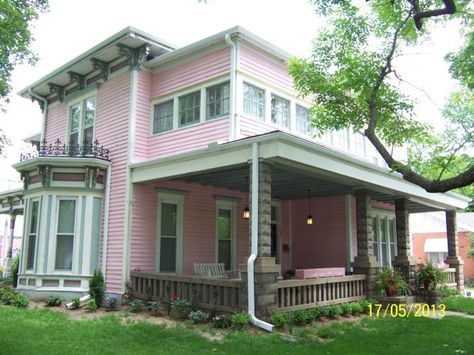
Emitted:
pixel 20 300
pixel 76 302
pixel 135 305
pixel 334 311
pixel 323 312
pixel 54 301
pixel 91 305
pixel 154 307
pixel 390 282
pixel 346 308
pixel 240 321
pixel 357 308
pixel 280 320
pixel 365 304
pixel 14 268
pixel 111 303
pixel 222 322
pixel 7 295
pixel 97 287
pixel 446 292
pixel 197 317
pixel 303 316
pixel 180 308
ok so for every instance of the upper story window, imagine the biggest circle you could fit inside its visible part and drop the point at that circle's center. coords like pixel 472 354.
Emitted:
pixel 81 122
pixel 163 117
pixel 189 108
pixel 218 98
pixel 254 101
pixel 303 124
pixel 280 111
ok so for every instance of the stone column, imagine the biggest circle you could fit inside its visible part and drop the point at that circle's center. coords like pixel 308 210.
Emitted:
pixel 8 259
pixel 453 259
pixel 266 269
pixel 403 262
pixel 365 261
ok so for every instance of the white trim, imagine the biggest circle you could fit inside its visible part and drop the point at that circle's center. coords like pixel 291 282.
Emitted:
pixel 277 222
pixel 225 204
pixel 27 234
pixel 82 101
pixel 54 240
pixel 105 223
pixel 348 222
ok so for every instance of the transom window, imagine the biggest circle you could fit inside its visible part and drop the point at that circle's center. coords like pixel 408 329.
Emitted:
pixel 280 111
pixel 303 124
pixel 254 101
pixel 163 117
pixel 218 98
pixel 65 234
pixel 189 109
pixel 81 122
pixel 32 236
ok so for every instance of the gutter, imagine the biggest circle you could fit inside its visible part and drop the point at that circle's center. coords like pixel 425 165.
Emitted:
pixel 45 113
pixel 233 82
pixel 254 246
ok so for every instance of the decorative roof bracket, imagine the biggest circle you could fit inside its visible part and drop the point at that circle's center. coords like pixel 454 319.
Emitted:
pixel 136 56
pixel 40 102
pixel 102 66
pixel 57 89
pixel 78 78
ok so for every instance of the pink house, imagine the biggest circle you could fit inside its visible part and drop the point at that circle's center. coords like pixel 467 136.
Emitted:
pixel 151 154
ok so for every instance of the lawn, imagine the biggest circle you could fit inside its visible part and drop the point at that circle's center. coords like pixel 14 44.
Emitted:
pixel 460 304
pixel 47 332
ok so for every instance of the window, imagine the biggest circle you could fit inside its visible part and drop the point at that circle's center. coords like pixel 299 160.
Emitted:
pixel 437 258
pixel 359 143
pixel 189 108
pixel 303 124
pixel 254 101
pixel 225 233
pixel 163 117
pixel 218 101
pixel 384 242
pixel 32 236
pixel 280 111
pixel 81 122
pixel 65 234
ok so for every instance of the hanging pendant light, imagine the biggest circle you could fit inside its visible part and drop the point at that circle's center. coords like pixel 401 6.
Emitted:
pixel 246 210
pixel 309 219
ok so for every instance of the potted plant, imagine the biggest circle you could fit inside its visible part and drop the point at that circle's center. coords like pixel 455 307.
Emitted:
pixel 391 283
pixel 428 279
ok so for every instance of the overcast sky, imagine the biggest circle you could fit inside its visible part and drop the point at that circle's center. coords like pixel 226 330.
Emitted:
pixel 72 27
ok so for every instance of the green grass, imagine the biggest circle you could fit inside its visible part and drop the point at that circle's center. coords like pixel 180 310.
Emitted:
pixel 460 304
pixel 47 332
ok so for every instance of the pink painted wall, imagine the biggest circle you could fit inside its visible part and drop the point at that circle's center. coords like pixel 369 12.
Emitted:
pixel 56 123
pixel 191 72
pixel 252 126
pixel 112 131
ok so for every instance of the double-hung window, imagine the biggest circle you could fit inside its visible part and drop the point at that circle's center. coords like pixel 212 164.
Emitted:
pixel 225 233
pixel 163 117
pixel 384 242
pixel 254 101
pixel 81 122
pixel 32 235
pixel 65 234
pixel 218 98
pixel 302 120
pixel 189 109
pixel 280 111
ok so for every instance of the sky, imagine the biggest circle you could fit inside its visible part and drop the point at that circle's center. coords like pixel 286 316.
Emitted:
pixel 72 27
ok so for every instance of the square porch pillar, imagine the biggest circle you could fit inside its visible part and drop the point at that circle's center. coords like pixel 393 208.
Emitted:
pixel 403 262
pixel 453 259
pixel 365 262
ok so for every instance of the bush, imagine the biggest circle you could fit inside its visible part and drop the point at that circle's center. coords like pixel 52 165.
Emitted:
pixel 280 320
pixel 365 304
pixel 222 322
pixel 91 305
pixel 180 308
pixel 316 313
pixel 323 311
pixel 334 311
pixel 97 287
pixel 20 300
pixel 111 303
pixel 446 292
pixel 303 316
pixel 357 308
pixel 240 321
pixel 14 268
pixel 135 305
pixel 76 302
pixel 197 317
pixel 346 308
pixel 154 307
pixel 7 295
pixel 54 301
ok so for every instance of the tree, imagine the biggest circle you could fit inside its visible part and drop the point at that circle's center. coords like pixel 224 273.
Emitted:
pixel 15 38
pixel 353 80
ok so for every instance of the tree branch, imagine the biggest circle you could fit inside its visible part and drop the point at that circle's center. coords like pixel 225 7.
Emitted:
pixel 449 9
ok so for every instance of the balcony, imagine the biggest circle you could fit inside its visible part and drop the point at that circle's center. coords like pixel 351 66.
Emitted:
pixel 59 149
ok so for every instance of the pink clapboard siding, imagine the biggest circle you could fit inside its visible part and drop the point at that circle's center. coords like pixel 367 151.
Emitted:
pixel 252 126
pixel 322 244
pixel 264 66
pixel 188 138
pixel 143 115
pixel 56 123
pixel 191 72
pixel 199 230
pixel 111 127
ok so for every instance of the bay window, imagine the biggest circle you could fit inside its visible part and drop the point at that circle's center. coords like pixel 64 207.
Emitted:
pixel 32 236
pixel 65 234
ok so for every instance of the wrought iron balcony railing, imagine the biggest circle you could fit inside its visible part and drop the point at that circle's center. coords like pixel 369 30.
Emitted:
pixel 59 149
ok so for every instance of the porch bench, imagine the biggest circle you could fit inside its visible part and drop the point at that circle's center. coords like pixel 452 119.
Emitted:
pixel 211 270
pixel 319 272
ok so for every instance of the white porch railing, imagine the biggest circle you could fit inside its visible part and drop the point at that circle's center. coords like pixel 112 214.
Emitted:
pixel 451 277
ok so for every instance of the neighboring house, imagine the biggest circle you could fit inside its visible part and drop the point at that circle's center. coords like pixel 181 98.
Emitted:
pixel 5 235
pixel 428 231
pixel 151 154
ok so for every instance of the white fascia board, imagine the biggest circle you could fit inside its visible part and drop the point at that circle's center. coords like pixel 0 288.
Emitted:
pixel 55 162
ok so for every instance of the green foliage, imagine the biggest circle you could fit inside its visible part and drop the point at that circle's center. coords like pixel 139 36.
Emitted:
pixel 111 303
pixel 91 305
pixel 154 307
pixel 390 282
pixel 471 247
pixel 135 305
pixel 446 292
pixel 429 277
pixel 198 317
pixel 76 302
pixel 180 308
pixel 357 308
pixel 346 308
pixel 334 311
pixel 222 322
pixel 303 317
pixel 460 304
pixel 15 264
pixel 20 300
pixel 462 63
pixel 280 319
pixel 97 287
pixel 54 301
pixel 240 321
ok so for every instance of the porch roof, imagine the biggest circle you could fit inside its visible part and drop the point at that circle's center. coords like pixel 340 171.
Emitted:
pixel 297 166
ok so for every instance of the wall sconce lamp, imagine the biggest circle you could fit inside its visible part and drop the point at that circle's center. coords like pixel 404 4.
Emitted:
pixel 309 219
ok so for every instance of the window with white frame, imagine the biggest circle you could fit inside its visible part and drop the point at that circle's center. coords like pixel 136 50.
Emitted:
pixel 81 121
pixel 303 124
pixel 437 258
pixel 65 234
pixel 225 233
pixel 280 111
pixel 32 236
pixel 163 117
pixel 217 98
pixel 254 101
pixel 384 238
pixel 359 143
pixel 189 108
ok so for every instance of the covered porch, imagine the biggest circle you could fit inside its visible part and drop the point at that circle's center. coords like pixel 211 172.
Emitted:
pixel 187 209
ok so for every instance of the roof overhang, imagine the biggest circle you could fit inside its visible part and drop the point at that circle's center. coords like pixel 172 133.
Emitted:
pixel 290 153
pixel 11 202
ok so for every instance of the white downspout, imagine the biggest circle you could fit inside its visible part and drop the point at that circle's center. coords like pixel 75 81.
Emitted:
pixel 106 220
pixel 45 113
pixel 254 245
pixel 233 83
